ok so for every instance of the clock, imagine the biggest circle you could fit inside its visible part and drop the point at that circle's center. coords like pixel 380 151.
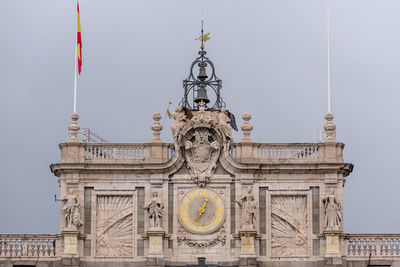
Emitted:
pixel 201 211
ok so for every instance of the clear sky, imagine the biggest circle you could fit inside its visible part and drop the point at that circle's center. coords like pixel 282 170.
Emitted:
pixel 270 54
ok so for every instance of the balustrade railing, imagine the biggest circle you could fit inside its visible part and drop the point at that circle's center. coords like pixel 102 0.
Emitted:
pixel 127 152
pixel 279 152
pixel 113 151
pixel 271 152
pixel 376 245
pixel 242 152
pixel 29 245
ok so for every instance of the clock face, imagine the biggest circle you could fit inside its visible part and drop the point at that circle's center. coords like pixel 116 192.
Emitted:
pixel 201 211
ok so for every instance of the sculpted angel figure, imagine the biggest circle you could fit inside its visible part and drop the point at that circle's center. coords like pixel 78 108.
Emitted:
pixel 180 120
pixel 333 215
pixel 248 207
pixel 155 209
pixel 224 122
pixel 71 207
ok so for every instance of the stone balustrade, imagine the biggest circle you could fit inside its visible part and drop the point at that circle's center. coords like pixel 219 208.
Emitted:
pixel 27 245
pixel 247 152
pixel 287 152
pixel 376 245
pixel 133 153
pixel 99 152
pixel 290 152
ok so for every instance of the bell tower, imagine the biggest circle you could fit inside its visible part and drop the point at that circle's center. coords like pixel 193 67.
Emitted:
pixel 198 89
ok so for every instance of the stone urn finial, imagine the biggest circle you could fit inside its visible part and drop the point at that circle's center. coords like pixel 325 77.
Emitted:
pixel 246 127
pixel 156 127
pixel 73 128
pixel 330 128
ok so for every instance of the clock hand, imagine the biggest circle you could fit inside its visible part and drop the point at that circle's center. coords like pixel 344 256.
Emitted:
pixel 202 209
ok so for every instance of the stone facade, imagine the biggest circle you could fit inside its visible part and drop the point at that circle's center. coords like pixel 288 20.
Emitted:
pixel 202 199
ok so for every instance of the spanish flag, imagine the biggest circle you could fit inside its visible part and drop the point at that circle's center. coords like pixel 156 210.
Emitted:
pixel 79 40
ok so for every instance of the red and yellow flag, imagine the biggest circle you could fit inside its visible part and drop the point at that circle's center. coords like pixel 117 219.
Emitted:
pixel 79 40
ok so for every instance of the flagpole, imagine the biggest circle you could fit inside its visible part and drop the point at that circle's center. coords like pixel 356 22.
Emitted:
pixel 76 62
pixel 329 54
pixel 76 57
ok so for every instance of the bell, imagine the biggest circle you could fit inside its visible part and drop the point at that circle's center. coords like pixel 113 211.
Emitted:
pixel 202 96
pixel 202 74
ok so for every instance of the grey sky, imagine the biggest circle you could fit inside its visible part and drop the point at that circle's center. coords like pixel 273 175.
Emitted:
pixel 271 55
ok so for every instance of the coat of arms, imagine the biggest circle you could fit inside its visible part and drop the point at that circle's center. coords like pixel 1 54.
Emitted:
pixel 201 154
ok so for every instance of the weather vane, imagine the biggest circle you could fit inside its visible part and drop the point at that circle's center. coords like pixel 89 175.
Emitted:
pixel 203 37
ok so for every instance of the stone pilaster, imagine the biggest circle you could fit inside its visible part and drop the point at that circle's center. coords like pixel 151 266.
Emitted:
pixel 156 253
pixel 248 256
pixel 70 255
pixel 333 254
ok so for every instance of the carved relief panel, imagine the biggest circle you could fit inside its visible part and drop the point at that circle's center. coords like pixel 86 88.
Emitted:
pixel 289 226
pixel 114 226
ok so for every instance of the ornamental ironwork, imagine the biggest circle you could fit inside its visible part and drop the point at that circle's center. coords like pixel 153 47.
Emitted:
pixel 196 88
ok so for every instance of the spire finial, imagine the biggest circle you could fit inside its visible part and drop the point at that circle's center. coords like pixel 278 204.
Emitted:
pixel 203 37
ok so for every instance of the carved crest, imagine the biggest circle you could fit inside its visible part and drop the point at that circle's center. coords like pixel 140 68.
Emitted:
pixel 201 154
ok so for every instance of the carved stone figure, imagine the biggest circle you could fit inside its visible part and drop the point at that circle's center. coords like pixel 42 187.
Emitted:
pixel 71 207
pixel 333 215
pixel 155 209
pixel 248 207
pixel 180 120
pixel 201 154
pixel 224 122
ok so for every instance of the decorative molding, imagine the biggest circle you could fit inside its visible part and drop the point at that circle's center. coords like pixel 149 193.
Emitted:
pixel 184 237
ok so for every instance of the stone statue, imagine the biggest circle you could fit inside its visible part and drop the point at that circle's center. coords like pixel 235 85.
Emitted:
pixel 224 122
pixel 248 206
pixel 333 215
pixel 71 207
pixel 155 209
pixel 180 120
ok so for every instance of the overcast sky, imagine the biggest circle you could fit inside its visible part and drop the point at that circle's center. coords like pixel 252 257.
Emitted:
pixel 270 54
